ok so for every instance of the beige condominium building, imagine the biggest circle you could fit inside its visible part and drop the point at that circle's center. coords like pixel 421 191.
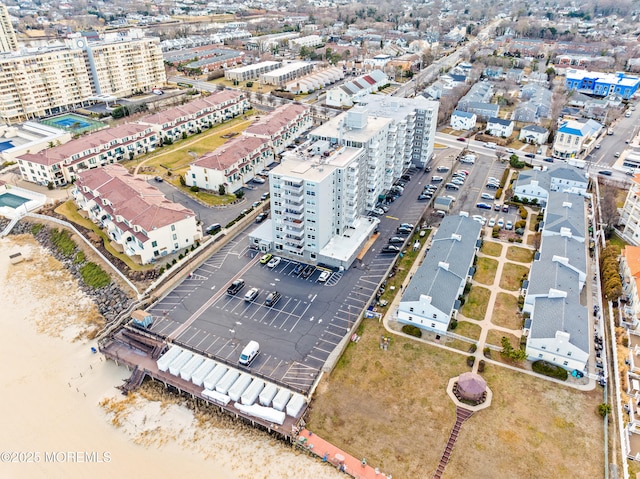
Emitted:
pixel 8 38
pixel 45 81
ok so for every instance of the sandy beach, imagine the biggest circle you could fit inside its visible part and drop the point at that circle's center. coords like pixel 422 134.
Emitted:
pixel 64 418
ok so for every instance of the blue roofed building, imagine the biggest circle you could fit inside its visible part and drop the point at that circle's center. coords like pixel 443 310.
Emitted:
pixel 617 84
pixel 463 120
pixel 575 138
pixel 431 298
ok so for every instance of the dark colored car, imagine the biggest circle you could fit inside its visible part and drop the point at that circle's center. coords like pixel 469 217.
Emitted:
pixel 272 298
pixel 213 229
pixel 530 155
pixel 404 230
pixel 158 179
pixel 605 172
pixel 236 286
pixel 308 271
pixel 405 178
pixel 298 269
pixel 548 160
pixel 261 217
pixel 425 197
pixel 484 206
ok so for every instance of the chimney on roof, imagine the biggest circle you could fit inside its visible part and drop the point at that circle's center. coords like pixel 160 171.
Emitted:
pixel 444 265
pixel 456 237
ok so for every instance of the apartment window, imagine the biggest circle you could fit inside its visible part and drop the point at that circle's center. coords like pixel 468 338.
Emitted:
pixel 569 353
pixel 411 309
pixel 173 227
pixel 543 347
pixel 175 237
pixel 566 363
pixel 154 244
pixel 433 325
pixel 435 316
pixel 410 318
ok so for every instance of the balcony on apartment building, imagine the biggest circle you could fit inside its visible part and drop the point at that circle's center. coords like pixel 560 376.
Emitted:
pixel 293 248
pixel 293 215
pixel 295 188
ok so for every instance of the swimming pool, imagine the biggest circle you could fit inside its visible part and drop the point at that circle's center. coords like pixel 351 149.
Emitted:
pixel 73 122
pixel 11 200
pixel 5 145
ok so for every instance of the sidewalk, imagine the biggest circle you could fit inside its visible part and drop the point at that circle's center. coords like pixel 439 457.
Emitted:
pixel 344 462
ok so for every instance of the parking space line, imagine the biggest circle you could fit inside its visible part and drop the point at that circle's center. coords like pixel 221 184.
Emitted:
pixel 313 357
pixel 202 340
pixel 188 341
pixel 323 350
pixel 300 317
pixel 334 334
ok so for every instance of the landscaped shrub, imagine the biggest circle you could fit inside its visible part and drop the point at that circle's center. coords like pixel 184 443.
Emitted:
pixel 487 352
pixel 94 276
pixel 551 370
pixel 520 224
pixel 481 366
pixel 412 330
pixel 470 361
pixel 194 188
pixel 453 324
pixel 523 212
pixel 518 240
pixel 511 240
pixel 473 348
pixel 79 258
pixel 498 193
pixel 61 239
pixel 467 288
pixel 35 229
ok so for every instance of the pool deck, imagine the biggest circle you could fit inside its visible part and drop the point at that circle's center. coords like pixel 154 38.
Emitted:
pixel 34 201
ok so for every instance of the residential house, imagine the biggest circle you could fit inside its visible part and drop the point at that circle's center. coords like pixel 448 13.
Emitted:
pixel 286 73
pixel 282 126
pixel 137 217
pixel 484 111
pixel 232 165
pixel 534 134
pixel 463 120
pixel 575 138
pixel 251 72
pixel 350 92
pixel 431 299
pixel 61 164
pixel 500 127
pixel 515 75
pixel 536 184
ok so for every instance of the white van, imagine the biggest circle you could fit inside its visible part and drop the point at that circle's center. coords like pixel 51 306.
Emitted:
pixel 249 353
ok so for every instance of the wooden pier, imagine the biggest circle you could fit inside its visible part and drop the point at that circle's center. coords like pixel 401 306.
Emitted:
pixel 139 351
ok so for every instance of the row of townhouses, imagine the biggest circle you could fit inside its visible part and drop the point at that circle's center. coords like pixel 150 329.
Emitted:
pixel 60 165
pixel 137 217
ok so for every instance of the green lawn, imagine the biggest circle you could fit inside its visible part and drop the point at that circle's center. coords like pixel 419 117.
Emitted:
pixel 475 307
pixel 618 242
pixel 512 275
pixel 494 337
pixel 486 271
pixel 468 330
pixel 505 312
pixel 491 248
pixel 521 255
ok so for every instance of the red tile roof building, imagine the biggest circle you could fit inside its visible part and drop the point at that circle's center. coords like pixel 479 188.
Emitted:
pixel 282 126
pixel 232 165
pixel 137 217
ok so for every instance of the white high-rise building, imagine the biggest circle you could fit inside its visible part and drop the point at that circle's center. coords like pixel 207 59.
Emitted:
pixel 356 128
pixel 316 205
pixel 8 38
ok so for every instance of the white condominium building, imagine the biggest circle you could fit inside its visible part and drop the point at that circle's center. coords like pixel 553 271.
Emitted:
pixel 630 216
pixel 317 203
pixel 8 38
pixel 358 129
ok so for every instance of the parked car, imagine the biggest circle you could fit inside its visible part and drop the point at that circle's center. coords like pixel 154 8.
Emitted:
pixel 324 276
pixel 492 222
pixel 251 294
pixel 530 155
pixel 275 261
pixel 378 211
pixel 405 177
pixel 496 207
pixel 390 249
pixel 509 225
pixel 463 171
pixel 490 145
pixel 272 298
pixel 493 186
pixel 480 219
pixel 396 239
pixel 452 186
pixel 158 179
pixel 457 181
pixel 442 169
pixel 236 286
pixel 484 206
pixel 505 208
pixel 424 196
pixel 259 179
pixel 548 160
pixel 501 222
pixel 617 154
pixel 266 258
pixel 403 230
pixel 308 271
pixel 298 269
pixel 213 229
pixel 264 196
pixel 436 179
pixel 406 225
pixel 605 172
pixel 487 196
pixel 261 217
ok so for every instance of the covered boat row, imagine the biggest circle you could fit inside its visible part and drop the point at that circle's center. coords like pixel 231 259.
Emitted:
pixel 223 384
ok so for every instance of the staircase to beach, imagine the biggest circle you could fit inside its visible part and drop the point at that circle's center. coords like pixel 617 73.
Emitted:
pixel 134 381
pixel 462 415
